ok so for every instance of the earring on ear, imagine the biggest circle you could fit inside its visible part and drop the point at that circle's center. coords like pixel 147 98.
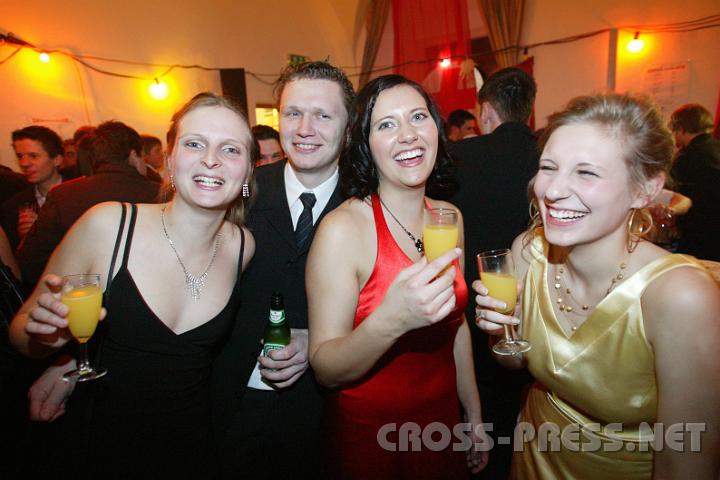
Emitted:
pixel 245 190
pixel 172 183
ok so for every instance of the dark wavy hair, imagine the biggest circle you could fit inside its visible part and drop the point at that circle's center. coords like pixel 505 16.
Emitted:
pixel 358 175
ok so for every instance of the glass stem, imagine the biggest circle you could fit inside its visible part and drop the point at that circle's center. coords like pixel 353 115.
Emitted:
pixel 84 362
pixel 508 334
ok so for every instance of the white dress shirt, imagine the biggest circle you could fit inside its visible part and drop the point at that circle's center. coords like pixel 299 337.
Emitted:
pixel 293 190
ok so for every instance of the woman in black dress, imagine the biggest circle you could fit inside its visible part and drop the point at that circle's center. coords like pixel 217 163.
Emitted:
pixel 172 301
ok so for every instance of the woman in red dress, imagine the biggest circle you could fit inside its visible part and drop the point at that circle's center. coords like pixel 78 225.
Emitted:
pixel 387 330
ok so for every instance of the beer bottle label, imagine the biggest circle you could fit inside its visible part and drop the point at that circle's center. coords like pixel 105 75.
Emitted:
pixel 277 316
pixel 271 346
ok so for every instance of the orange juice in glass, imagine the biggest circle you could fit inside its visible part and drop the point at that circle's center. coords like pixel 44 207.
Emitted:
pixel 440 232
pixel 498 275
pixel 83 297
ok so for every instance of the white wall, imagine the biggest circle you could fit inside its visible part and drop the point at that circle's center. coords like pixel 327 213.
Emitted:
pixel 567 70
pixel 258 34
pixel 252 34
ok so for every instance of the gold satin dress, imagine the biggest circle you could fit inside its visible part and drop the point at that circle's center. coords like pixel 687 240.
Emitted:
pixel 601 376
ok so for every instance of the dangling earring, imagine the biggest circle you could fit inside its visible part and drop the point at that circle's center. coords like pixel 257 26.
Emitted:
pixel 638 228
pixel 245 190
pixel 172 183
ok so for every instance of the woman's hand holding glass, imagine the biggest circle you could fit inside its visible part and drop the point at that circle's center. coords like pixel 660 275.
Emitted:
pixel 497 276
pixel 422 294
pixel 47 321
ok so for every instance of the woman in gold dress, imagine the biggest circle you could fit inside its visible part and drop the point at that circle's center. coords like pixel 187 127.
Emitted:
pixel 625 336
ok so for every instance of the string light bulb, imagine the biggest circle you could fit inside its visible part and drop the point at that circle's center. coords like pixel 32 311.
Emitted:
pixel 445 62
pixel 158 90
pixel 636 44
pixel 44 57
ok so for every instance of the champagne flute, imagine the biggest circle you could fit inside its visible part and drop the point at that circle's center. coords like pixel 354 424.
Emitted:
pixel 83 296
pixel 498 275
pixel 440 231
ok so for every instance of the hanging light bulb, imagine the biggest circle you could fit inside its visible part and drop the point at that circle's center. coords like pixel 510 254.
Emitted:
pixel 636 44
pixel 44 57
pixel 158 90
pixel 445 62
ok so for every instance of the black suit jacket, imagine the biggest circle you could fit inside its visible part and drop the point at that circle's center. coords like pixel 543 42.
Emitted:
pixel 11 183
pixel 697 172
pixel 67 202
pixel 493 172
pixel 277 266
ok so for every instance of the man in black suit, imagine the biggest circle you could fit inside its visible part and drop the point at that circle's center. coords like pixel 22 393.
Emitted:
pixel 276 431
pixel 116 152
pixel 493 171
pixel 697 172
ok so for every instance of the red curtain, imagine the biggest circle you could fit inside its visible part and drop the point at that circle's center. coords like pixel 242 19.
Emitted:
pixel 425 32
pixel 716 130
pixel 527 67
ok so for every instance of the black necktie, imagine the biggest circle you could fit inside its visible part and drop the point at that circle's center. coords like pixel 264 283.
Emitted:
pixel 305 222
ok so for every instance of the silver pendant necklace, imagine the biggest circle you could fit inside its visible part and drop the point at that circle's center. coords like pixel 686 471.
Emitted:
pixel 193 284
pixel 418 242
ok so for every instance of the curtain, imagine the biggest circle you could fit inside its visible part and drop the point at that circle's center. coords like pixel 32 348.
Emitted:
pixel 503 19
pixel 427 31
pixel 375 14
pixel 716 130
pixel 527 66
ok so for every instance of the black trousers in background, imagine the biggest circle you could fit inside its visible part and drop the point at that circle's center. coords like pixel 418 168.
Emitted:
pixel 269 436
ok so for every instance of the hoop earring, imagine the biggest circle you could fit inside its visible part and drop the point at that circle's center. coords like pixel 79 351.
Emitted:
pixel 638 228
pixel 534 212
pixel 245 190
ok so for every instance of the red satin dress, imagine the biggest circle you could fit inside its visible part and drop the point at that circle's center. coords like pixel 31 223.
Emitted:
pixel 414 381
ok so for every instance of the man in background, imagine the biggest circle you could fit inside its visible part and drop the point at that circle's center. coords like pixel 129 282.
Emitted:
pixel 696 171
pixel 39 151
pixel 460 124
pixel 269 421
pixel 493 171
pixel 153 156
pixel 268 140
pixel 116 151
pixel 68 168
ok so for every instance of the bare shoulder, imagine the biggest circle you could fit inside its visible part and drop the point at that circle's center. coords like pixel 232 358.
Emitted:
pixel 344 222
pixel 521 253
pixel 683 298
pixel 101 219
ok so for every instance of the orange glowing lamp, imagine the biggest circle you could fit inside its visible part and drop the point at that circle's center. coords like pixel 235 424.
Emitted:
pixel 158 90
pixel 636 44
pixel 44 57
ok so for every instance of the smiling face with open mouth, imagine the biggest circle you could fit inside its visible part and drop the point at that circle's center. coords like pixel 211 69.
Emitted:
pixel 211 158
pixel 583 186
pixel 312 125
pixel 403 137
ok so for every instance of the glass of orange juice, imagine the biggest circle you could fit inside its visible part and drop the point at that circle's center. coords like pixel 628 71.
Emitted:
pixel 83 296
pixel 498 275
pixel 440 231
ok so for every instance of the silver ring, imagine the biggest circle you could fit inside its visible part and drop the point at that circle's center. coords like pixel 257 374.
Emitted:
pixel 481 315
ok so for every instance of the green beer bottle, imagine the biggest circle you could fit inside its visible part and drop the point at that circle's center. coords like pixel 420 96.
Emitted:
pixel 277 331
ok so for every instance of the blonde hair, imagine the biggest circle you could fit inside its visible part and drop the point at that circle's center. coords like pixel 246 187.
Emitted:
pixel 632 120
pixel 236 213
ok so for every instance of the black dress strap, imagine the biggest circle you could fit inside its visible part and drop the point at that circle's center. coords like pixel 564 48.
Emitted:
pixel 242 251
pixel 115 250
pixel 128 239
